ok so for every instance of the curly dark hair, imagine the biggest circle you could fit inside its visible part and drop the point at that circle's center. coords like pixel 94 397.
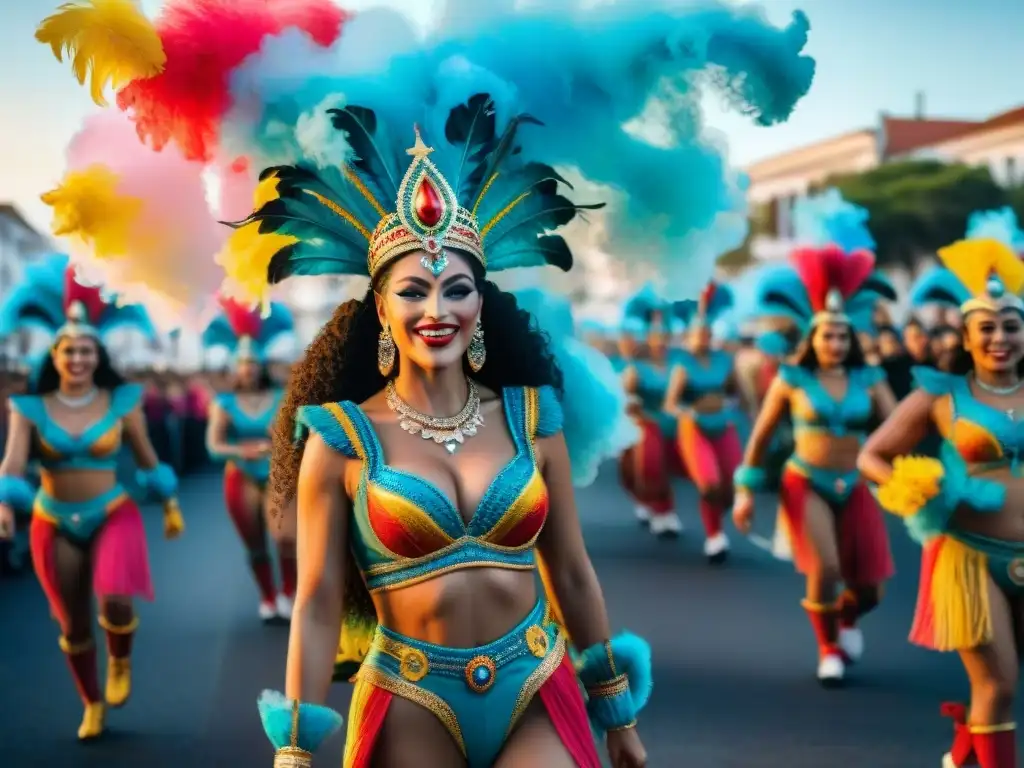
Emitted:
pixel 341 364
pixel 105 376
pixel 805 356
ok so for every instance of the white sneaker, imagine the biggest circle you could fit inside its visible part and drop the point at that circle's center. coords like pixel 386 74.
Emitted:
pixel 716 548
pixel 642 513
pixel 947 761
pixel 666 526
pixel 831 670
pixel 851 643
pixel 284 607
pixel 268 610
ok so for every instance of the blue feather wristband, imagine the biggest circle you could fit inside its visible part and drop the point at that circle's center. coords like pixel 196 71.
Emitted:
pixel 750 478
pixel 160 481
pixel 617 677
pixel 16 493
pixel 296 730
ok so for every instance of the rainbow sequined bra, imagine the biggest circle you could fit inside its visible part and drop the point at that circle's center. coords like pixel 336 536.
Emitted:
pixel 406 530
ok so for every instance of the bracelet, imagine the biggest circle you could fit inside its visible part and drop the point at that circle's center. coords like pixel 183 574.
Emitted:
pixel 16 493
pixel 616 676
pixel 750 478
pixel 160 481
pixel 296 730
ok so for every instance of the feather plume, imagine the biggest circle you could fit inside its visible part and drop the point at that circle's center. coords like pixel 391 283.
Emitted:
pixel 938 286
pixel 153 239
pixel 827 268
pixel 974 261
pixel 828 219
pixel 998 225
pixel 110 43
pixel 603 82
pixel 205 41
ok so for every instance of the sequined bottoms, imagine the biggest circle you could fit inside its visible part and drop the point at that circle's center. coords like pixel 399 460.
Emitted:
pixel 478 693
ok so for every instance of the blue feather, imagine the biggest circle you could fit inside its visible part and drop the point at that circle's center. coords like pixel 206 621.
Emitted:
pixel 274 324
pixel 828 219
pixel 938 286
pixel 316 723
pixel 595 423
pixel 633 657
pixel 584 75
pixel 998 225
pixel 645 304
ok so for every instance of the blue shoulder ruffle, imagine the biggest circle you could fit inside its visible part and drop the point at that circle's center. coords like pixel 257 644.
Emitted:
pixel 550 418
pixel 872 376
pixel 30 407
pixel 593 409
pixel 319 419
pixel 793 375
pixel 934 382
pixel 125 398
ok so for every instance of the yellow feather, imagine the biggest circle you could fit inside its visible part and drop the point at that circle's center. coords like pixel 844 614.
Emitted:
pixel 111 40
pixel 87 207
pixel 246 255
pixel 973 261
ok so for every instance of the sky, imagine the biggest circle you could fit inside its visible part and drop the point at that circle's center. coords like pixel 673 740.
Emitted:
pixel 873 56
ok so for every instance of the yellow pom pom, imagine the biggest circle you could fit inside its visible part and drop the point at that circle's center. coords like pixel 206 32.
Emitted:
pixel 88 207
pixel 915 481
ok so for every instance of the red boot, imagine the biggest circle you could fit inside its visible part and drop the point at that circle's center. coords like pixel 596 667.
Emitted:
pixel 961 753
pixel 995 745
pixel 825 622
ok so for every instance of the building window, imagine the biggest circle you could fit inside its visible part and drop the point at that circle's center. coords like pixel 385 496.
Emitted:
pixel 1011 171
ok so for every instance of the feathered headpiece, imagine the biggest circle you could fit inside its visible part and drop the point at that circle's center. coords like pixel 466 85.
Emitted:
pixel 715 300
pixel 990 274
pixel 245 332
pixel 646 309
pixel 52 298
pixel 833 277
pixel 938 286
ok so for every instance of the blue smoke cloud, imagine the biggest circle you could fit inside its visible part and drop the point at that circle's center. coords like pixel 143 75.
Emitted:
pixel 1000 224
pixel 829 219
pixel 618 88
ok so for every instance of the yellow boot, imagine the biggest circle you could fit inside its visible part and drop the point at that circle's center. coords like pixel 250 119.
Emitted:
pixel 93 721
pixel 119 681
pixel 119 664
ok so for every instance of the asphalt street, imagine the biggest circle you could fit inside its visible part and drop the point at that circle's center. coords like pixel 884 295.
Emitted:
pixel 734 658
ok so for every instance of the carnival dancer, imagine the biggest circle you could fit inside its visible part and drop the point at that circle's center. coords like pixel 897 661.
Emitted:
pixel 239 433
pixel 646 468
pixel 706 438
pixel 828 517
pixel 84 524
pixel 965 506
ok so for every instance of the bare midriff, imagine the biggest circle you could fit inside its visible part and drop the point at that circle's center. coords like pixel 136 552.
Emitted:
pixel 707 404
pixel 75 485
pixel 826 451
pixel 461 609
pixel 1005 525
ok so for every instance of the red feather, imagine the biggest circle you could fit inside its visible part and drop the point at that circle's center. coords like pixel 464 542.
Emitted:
pixel 244 320
pixel 822 269
pixel 205 40
pixel 706 297
pixel 90 297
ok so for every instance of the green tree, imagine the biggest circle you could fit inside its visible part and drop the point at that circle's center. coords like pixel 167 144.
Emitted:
pixel 919 206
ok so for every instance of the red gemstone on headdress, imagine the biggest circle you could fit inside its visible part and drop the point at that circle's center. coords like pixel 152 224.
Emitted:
pixel 428 204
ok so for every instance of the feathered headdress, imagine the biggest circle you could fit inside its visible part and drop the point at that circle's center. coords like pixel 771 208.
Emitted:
pixel 986 265
pixel 938 286
pixel 51 298
pixel 715 300
pixel 646 309
pixel 477 195
pixel 245 332
pixel 833 276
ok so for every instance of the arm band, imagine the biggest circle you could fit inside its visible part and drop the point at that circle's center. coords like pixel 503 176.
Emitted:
pixel 160 481
pixel 616 675
pixel 750 478
pixel 16 493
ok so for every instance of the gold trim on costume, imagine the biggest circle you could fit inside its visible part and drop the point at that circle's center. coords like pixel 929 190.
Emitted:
pixel 537 641
pixel 430 701
pixel 119 629
pixel 610 688
pixel 71 649
pixel 535 681
pixel 1000 728
pixel 481 662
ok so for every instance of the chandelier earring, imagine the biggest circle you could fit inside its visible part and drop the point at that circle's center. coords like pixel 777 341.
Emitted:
pixel 385 352
pixel 477 352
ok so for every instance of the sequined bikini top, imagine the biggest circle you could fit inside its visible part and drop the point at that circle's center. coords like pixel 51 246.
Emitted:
pixel 406 530
pixel 704 377
pixel 244 425
pixel 813 408
pixel 984 436
pixel 95 448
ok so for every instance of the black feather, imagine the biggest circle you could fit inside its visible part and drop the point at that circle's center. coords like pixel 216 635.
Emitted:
pixel 880 286
pixel 280 267
pixel 505 147
pixel 360 127
pixel 780 299
pixel 473 126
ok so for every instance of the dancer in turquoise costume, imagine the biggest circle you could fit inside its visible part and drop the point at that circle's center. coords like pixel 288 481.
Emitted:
pixel 701 382
pixel 74 422
pixel 647 467
pixel 964 506
pixel 437 432
pixel 828 519
pixel 239 434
